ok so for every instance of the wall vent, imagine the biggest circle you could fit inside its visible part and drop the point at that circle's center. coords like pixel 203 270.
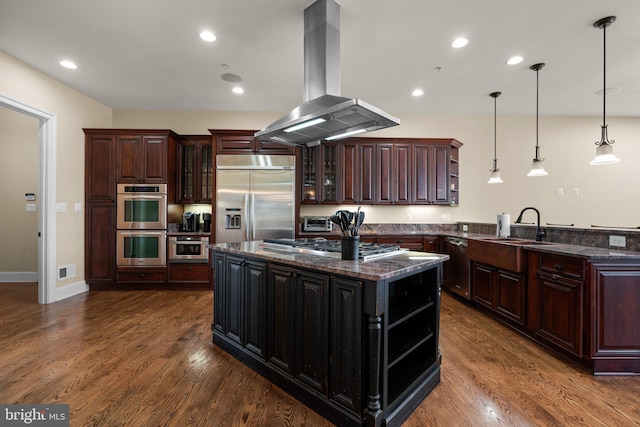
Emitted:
pixel 66 271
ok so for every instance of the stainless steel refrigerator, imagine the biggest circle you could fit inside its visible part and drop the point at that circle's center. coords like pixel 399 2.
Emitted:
pixel 254 197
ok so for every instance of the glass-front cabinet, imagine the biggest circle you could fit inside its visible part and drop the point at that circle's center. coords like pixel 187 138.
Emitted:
pixel 319 174
pixel 195 169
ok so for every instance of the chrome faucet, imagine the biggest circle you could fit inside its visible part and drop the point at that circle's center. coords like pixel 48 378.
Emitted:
pixel 540 232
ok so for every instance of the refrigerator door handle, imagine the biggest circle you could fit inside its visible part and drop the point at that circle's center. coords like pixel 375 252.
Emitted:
pixel 253 217
pixel 246 213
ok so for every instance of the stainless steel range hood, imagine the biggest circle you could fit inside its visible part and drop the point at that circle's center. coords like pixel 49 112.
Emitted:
pixel 324 115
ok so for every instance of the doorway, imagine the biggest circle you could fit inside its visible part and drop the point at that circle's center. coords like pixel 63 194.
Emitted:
pixel 47 191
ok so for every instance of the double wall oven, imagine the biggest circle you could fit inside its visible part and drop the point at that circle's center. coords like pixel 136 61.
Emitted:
pixel 142 225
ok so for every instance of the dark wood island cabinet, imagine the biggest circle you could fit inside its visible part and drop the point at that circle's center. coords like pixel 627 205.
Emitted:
pixel 355 341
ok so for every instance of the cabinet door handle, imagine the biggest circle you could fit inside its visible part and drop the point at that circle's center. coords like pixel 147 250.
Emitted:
pixel 559 267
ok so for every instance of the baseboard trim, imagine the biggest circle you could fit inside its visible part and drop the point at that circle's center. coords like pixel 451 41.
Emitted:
pixel 71 290
pixel 19 276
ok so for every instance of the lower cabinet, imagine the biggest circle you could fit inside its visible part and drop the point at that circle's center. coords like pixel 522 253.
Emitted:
pixel 190 275
pixel 298 324
pixel 503 291
pixel 142 275
pixel 239 303
pixel 358 352
pixel 556 299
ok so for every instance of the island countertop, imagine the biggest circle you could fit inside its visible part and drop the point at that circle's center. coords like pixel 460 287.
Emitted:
pixel 375 270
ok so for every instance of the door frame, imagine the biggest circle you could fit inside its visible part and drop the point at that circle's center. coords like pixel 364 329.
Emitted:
pixel 47 193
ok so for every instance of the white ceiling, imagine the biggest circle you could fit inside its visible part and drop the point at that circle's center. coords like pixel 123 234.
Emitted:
pixel 146 54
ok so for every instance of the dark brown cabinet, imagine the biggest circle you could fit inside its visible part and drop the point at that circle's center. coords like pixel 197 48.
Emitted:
pixel 378 171
pixel 393 162
pixel 319 174
pixel 142 158
pixel 431 173
pixel 100 208
pixel 613 324
pixel 413 243
pixel 502 291
pixel 229 141
pixel 556 296
pixel 115 156
pixel 195 177
pixel 192 275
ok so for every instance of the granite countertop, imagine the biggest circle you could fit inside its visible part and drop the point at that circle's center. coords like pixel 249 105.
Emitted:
pixel 588 252
pixel 375 270
pixel 583 251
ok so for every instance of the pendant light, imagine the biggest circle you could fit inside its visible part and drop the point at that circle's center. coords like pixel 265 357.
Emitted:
pixel 495 172
pixel 604 152
pixel 537 167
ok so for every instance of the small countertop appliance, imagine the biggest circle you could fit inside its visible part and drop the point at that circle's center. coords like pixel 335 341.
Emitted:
pixel 190 222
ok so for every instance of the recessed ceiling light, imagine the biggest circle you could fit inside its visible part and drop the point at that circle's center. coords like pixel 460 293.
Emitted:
pixel 417 92
pixel 238 90
pixel 459 42
pixel 68 64
pixel 207 36
pixel 515 60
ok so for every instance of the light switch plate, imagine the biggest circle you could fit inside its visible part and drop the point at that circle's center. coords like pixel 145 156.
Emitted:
pixel 31 207
pixel 61 207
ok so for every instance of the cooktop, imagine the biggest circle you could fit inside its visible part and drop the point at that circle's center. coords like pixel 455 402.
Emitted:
pixel 333 248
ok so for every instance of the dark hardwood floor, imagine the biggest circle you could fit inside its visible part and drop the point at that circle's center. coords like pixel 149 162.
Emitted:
pixel 145 358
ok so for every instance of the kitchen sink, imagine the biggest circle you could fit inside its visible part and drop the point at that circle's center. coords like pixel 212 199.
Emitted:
pixel 503 252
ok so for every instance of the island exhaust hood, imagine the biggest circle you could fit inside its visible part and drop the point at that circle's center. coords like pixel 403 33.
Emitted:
pixel 325 115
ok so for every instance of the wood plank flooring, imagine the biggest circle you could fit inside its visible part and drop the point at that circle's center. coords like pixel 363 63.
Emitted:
pixel 145 358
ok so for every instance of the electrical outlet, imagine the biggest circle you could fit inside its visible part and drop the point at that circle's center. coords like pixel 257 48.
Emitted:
pixel 465 227
pixel 560 191
pixel 576 192
pixel 619 241
pixel 78 207
pixel 445 217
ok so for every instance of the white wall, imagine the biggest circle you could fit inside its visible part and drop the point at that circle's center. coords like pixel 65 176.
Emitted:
pixel 607 194
pixel 74 111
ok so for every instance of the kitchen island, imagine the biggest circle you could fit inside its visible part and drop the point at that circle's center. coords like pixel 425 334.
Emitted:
pixel 355 341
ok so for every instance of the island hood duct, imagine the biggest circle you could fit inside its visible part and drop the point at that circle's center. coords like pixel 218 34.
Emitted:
pixel 324 115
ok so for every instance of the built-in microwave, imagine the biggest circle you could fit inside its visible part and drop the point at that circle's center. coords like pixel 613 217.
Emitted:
pixel 188 249
pixel 142 207
pixel 141 248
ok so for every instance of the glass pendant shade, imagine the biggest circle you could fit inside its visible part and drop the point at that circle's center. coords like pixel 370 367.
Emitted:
pixel 604 155
pixel 495 177
pixel 537 168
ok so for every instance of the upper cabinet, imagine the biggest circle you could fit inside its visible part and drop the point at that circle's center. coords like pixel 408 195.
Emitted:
pixel 382 171
pixel 195 169
pixel 319 174
pixel 143 157
pixel 243 142
pixel 431 174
